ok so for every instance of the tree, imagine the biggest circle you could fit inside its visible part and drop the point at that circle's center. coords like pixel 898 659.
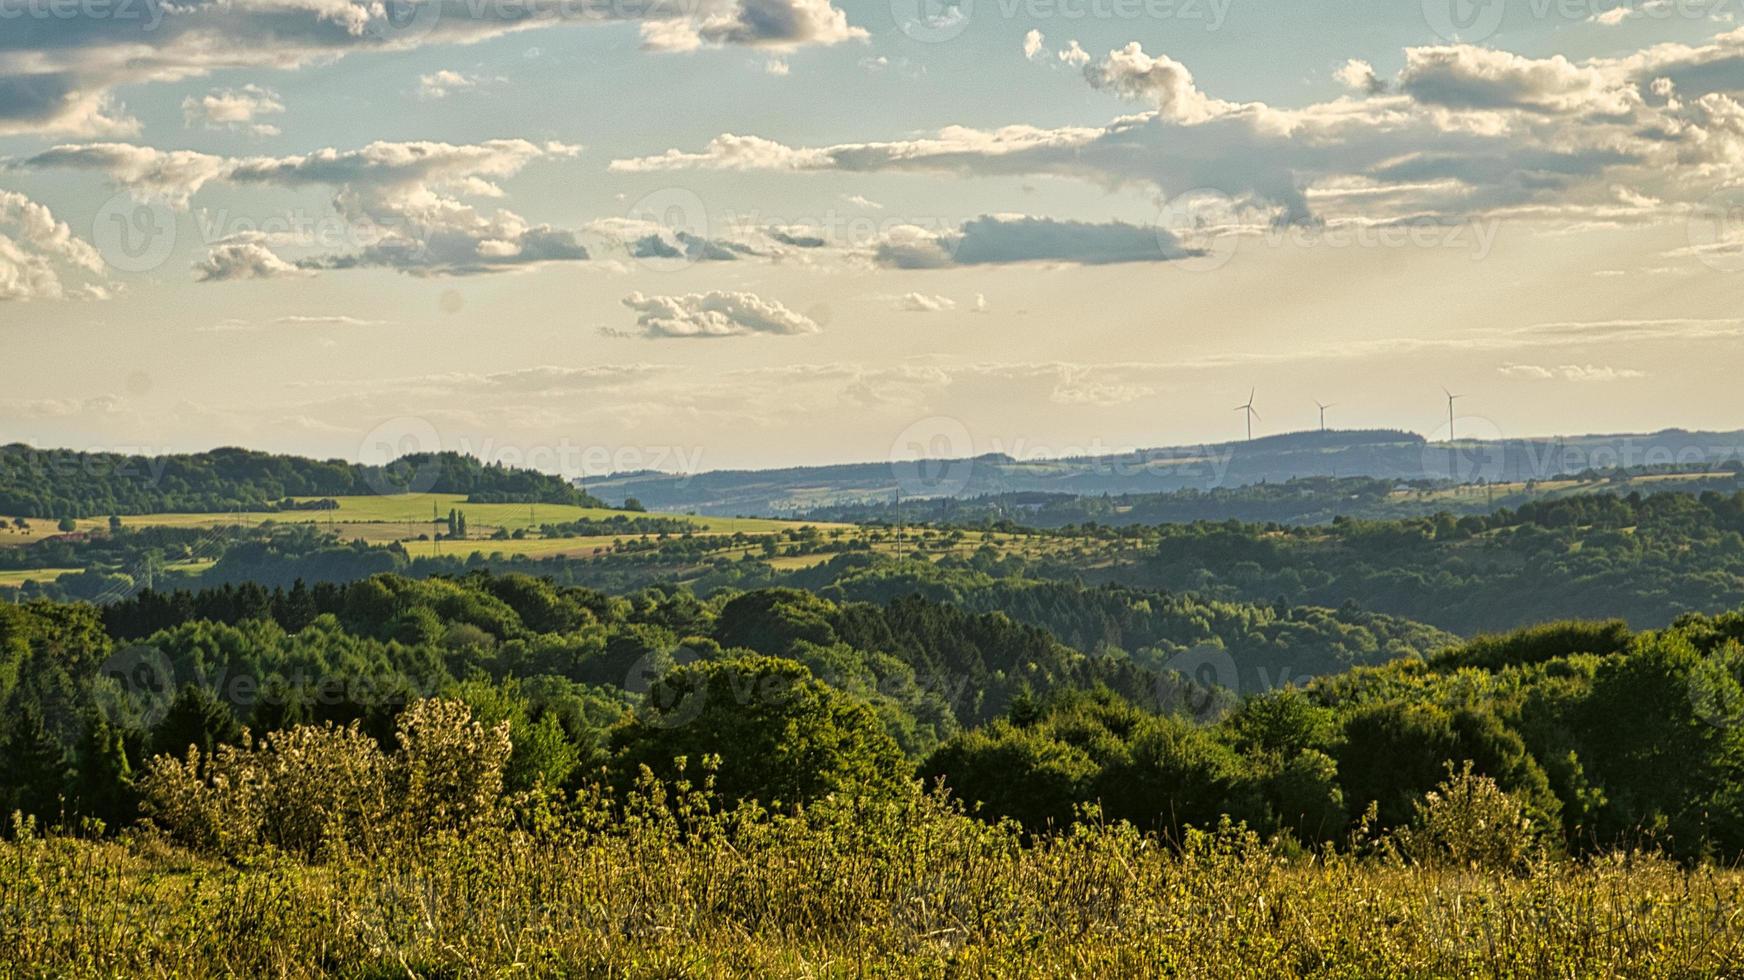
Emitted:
pixel 197 717
pixel 102 783
pixel 35 771
pixel 781 734
pixel 67 525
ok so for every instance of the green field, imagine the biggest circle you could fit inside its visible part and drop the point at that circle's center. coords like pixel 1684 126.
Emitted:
pixel 13 579
pixel 407 515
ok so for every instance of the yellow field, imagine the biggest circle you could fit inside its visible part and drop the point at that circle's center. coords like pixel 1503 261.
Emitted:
pixel 14 579
pixel 527 547
pixel 392 518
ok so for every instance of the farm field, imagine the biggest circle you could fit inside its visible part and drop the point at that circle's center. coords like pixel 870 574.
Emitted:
pixel 13 578
pixel 390 518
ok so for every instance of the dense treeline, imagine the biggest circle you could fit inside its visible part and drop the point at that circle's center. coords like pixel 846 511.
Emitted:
pixel 56 483
pixel 1602 737
pixel 1303 500
pixel 92 694
pixel 1645 559
pixel 1607 739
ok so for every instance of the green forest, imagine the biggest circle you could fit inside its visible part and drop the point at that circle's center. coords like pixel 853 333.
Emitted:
pixel 1502 742
pixel 61 483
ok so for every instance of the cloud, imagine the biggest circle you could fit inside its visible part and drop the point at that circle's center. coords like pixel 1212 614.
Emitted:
pixel 777 24
pixel 1006 239
pixel 1359 76
pixel 661 244
pixel 1466 77
pixel 404 204
pixel 58 74
pixel 923 303
pixel 1462 131
pixel 1587 373
pixel 444 82
pixel 335 320
pixel 38 252
pixel 243 260
pixel 237 109
pixel 715 314
pixel 1032 44
pixel 1132 74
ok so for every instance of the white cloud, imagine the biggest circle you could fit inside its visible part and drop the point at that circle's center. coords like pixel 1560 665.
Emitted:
pixel 1132 74
pixel 1359 76
pixel 444 82
pixel 38 252
pixel 57 74
pixel 715 314
pixel 1032 44
pixel 404 204
pixel 237 109
pixel 1585 373
pixel 243 260
pixel 1006 239
pixel 923 303
pixel 775 24
pixel 1465 131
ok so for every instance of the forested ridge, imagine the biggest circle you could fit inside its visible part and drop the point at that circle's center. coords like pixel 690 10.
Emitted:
pixel 1005 713
pixel 1647 559
pixel 59 483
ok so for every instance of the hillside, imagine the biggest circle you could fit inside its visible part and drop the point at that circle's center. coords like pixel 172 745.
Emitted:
pixel 1380 454
pixel 61 483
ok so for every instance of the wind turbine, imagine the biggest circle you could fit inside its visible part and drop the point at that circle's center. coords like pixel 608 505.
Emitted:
pixel 1323 409
pixel 1251 414
pixel 1451 398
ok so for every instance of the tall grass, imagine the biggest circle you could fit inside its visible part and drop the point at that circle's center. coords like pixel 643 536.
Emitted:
pixel 664 883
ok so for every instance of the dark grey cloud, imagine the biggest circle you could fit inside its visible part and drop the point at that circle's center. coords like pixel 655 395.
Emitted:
pixel 1002 240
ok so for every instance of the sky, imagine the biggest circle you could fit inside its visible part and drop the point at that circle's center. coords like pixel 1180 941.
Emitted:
pixel 595 235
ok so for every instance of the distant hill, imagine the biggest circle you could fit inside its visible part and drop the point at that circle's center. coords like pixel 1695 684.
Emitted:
pixel 1387 455
pixel 54 483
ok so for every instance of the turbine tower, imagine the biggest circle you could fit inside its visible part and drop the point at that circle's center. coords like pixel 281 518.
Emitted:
pixel 1251 414
pixel 1451 398
pixel 1323 409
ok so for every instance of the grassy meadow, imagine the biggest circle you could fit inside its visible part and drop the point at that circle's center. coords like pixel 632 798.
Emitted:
pixel 847 888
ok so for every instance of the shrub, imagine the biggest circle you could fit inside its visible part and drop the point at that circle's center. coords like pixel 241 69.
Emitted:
pixel 311 791
pixel 1470 821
